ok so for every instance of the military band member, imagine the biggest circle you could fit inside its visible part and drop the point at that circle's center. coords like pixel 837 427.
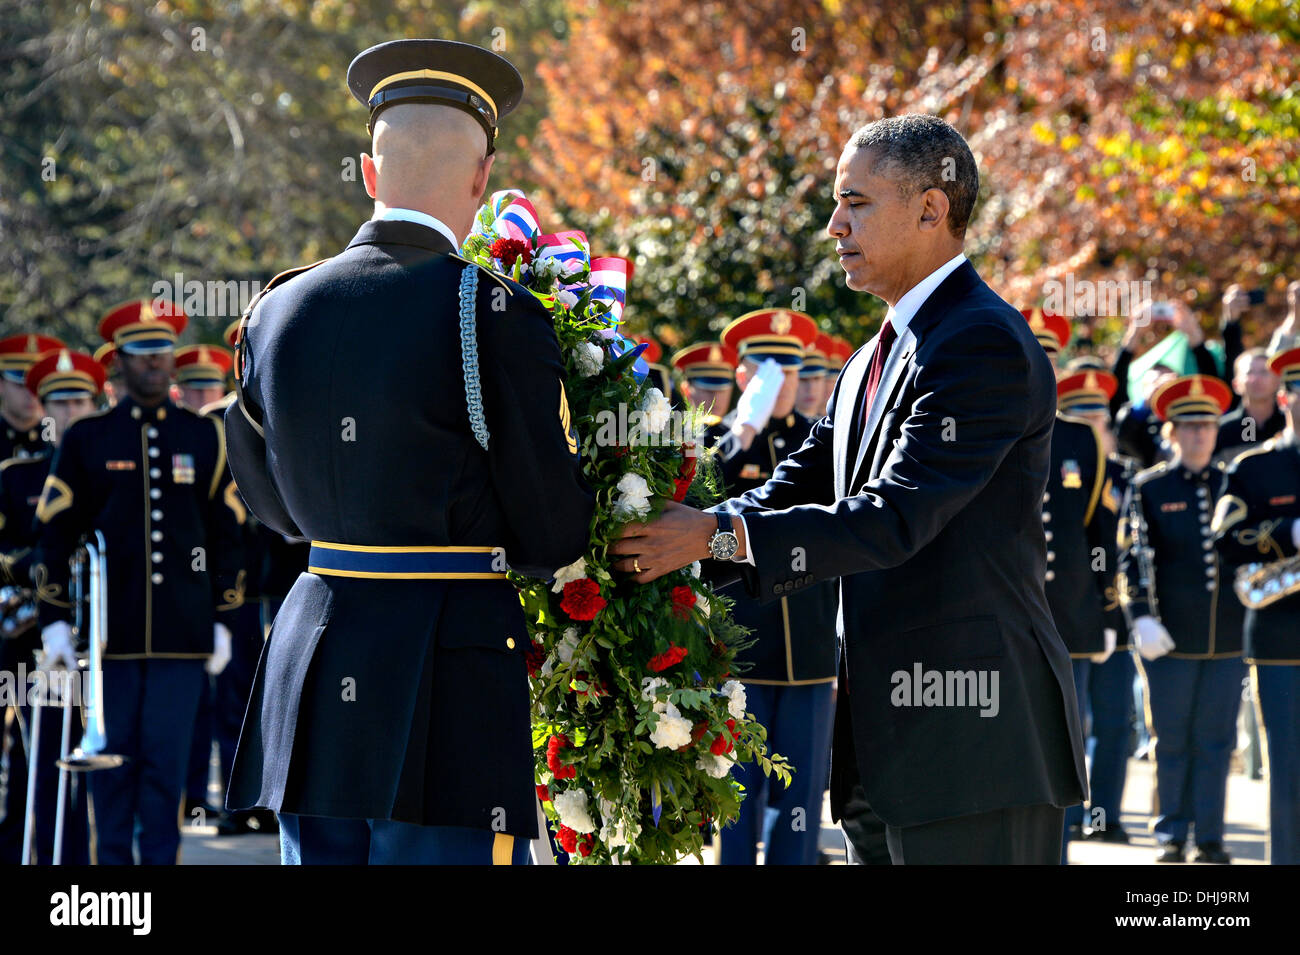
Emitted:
pixel 21 434
pixel 201 372
pixel 810 399
pixel 148 475
pixel 708 374
pixel 67 384
pixel 789 681
pixel 1258 417
pixel 415 483
pixel 1258 523
pixel 1186 622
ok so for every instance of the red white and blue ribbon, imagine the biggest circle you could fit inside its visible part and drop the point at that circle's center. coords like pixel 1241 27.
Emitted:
pixel 609 278
pixel 568 248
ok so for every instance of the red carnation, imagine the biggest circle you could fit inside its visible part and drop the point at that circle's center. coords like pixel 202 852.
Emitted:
pixel 584 847
pixel 506 251
pixel 685 475
pixel 543 793
pixel 683 601
pixel 582 599
pixel 558 768
pixel 568 839
pixel 670 657
pixel 721 745
pixel 731 728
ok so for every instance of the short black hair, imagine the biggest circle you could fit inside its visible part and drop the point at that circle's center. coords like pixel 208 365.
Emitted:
pixel 923 152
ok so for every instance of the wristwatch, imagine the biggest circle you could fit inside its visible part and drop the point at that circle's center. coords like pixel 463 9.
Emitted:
pixel 724 543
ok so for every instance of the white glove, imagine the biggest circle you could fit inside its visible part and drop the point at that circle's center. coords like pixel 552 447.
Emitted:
pixel 1112 638
pixel 756 404
pixel 56 639
pixel 1295 533
pixel 1151 637
pixel 220 649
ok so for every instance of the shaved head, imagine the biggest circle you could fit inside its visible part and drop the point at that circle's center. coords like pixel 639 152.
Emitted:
pixel 429 158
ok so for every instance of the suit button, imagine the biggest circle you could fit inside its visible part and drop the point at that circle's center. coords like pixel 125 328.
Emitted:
pixel 1051 555
pixel 1050 575
pixel 1210 586
pixel 776 588
pixel 155 473
pixel 153 452
pixel 510 643
pixel 157 578
pixel 155 493
pixel 1047 536
pixel 1046 497
pixel 152 432
pixel 1046 516
pixel 156 535
pixel 156 514
pixel 157 557
pixel 778 442
pixel 808 579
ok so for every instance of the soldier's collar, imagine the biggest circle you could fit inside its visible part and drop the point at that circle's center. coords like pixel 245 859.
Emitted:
pixel 398 232
pixel 142 413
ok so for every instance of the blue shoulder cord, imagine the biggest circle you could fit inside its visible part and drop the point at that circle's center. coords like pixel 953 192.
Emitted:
pixel 469 353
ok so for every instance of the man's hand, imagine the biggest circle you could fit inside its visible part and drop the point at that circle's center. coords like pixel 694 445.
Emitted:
pixel 1151 637
pixel 677 537
pixel 1235 303
pixel 220 650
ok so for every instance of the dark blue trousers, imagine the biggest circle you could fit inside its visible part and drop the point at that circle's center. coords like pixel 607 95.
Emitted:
pixel 1110 691
pixel 799 720
pixel 1194 706
pixel 1277 688
pixel 149 708
pixel 317 840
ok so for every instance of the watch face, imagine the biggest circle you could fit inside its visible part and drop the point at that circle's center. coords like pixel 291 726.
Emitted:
pixel 723 545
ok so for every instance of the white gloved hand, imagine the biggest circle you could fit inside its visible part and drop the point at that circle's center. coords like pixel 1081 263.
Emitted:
pixel 220 649
pixel 1112 638
pixel 1151 638
pixel 56 640
pixel 756 404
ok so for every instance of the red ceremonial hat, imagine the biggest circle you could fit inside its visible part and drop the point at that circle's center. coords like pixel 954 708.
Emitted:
pixel 777 333
pixel 105 354
pixel 1052 330
pixel 203 366
pixel 708 364
pixel 143 327
pixel 1191 398
pixel 816 359
pixel 65 374
pixel 231 334
pixel 1286 365
pixel 1089 390
pixel 840 353
pixel 19 352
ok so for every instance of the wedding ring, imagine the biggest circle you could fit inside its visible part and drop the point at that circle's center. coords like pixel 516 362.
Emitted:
pixel 636 566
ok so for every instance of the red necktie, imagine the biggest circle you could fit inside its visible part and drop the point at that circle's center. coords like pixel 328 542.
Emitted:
pixel 876 370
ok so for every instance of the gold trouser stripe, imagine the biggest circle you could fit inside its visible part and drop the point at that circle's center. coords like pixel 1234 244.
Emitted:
pixel 503 849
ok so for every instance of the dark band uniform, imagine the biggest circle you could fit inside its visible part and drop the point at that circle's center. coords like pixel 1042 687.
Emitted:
pixel 709 366
pixel 392 693
pixel 1255 524
pixel 17 354
pixel 61 374
pixel 790 675
pixel 149 478
pixel 1175 575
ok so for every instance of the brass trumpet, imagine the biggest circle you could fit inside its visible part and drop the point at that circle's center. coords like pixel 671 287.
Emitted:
pixel 1259 585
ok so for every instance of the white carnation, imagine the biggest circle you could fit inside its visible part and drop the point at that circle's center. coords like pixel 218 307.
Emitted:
pixel 673 730
pixel 715 766
pixel 588 358
pixel 547 269
pixel 572 807
pixel 634 496
pixel 656 409
pixel 735 691
pixel 695 569
pixel 575 571
pixel 567 645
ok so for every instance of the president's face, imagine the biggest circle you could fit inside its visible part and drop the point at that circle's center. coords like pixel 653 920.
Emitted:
pixel 875 231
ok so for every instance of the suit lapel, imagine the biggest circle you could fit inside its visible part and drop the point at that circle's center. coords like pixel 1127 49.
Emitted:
pixel 846 409
pixel 895 365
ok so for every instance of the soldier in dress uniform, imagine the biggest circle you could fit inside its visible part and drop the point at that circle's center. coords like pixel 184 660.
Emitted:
pixel 106 355
pixel 1085 394
pixel 148 475
pixel 21 434
pixel 708 373
pixel 389 720
pixel 789 680
pixel 67 384
pixel 1186 623
pixel 1258 522
pixel 809 400
pixel 201 372
pixel 1076 577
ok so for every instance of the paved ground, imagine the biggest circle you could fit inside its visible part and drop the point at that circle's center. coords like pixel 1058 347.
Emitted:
pixel 1247 830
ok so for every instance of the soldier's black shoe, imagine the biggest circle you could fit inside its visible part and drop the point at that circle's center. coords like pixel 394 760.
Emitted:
pixel 1213 853
pixel 1171 852
pixel 1115 834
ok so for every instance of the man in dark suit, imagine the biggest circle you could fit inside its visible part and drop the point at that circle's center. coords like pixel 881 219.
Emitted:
pixel 922 490
pixel 404 411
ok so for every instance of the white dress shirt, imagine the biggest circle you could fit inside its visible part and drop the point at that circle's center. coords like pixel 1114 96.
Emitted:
pixel 395 214
pixel 900 316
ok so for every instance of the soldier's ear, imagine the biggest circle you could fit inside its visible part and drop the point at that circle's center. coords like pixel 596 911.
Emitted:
pixel 481 176
pixel 369 175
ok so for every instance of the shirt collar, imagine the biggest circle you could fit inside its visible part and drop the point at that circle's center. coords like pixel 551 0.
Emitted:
pixel 902 313
pixel 422 218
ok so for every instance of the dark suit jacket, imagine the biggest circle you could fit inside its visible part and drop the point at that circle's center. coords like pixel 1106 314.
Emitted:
pixel 383 698
pixel 934 524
